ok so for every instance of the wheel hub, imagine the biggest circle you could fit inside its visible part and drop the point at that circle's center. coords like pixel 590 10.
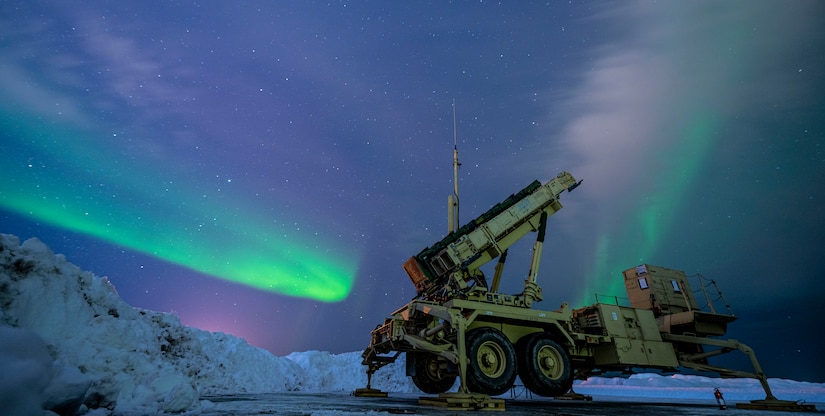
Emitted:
pixel 490 358
pixel 548 362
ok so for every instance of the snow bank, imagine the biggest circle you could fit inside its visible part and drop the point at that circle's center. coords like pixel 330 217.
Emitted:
pixel 325 372
pixel 25 371
pixel 69 344
pixel 77 345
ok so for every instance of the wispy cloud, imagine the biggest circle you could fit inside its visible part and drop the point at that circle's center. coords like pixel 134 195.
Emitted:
pixel 669 61
pixel 660 94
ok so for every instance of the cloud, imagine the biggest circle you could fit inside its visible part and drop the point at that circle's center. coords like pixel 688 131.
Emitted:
pixel 665 87
pixel 663 66
pixel 614 128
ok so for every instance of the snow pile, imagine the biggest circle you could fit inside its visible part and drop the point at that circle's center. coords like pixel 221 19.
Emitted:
pixel 25 371
pixel 100 352
pixel 69 344
pixel 325 372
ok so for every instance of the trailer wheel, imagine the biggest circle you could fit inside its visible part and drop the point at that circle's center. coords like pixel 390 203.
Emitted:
pixel 430 375
pixel 544 365
pixel 491 361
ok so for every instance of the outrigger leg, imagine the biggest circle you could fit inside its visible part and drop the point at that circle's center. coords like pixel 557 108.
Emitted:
pixel 373 363
pixel 463 399
pixel 695 361
pixel 369 391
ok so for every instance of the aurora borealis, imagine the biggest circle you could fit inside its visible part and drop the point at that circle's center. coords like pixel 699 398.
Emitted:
pixel 265 169
pixel 128 206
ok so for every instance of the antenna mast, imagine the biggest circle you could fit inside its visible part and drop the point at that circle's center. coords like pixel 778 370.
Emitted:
pixel 452 200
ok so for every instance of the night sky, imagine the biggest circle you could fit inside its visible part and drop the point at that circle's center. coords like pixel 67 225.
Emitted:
pixel 265 168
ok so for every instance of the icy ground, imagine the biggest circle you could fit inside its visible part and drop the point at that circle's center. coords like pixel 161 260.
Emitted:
pixel 69 344
pixel 342 404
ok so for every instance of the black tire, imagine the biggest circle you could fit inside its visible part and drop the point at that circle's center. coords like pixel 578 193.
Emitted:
pixel 491 362
pixel 544 365
pixel 430 375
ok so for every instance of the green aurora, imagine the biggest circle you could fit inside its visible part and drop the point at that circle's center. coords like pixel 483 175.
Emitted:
pixel 59 178
pixel 655 213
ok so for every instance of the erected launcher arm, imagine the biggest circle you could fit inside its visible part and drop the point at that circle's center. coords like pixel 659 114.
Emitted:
pixel 448 271
pixel 450 267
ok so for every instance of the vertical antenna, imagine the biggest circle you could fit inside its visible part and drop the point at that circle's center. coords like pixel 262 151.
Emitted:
pixel 452 200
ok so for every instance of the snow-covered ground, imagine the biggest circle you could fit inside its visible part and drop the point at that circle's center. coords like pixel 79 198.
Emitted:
pixel 68 343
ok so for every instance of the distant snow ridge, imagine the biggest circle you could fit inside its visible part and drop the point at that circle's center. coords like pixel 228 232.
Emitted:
pixel 107 354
